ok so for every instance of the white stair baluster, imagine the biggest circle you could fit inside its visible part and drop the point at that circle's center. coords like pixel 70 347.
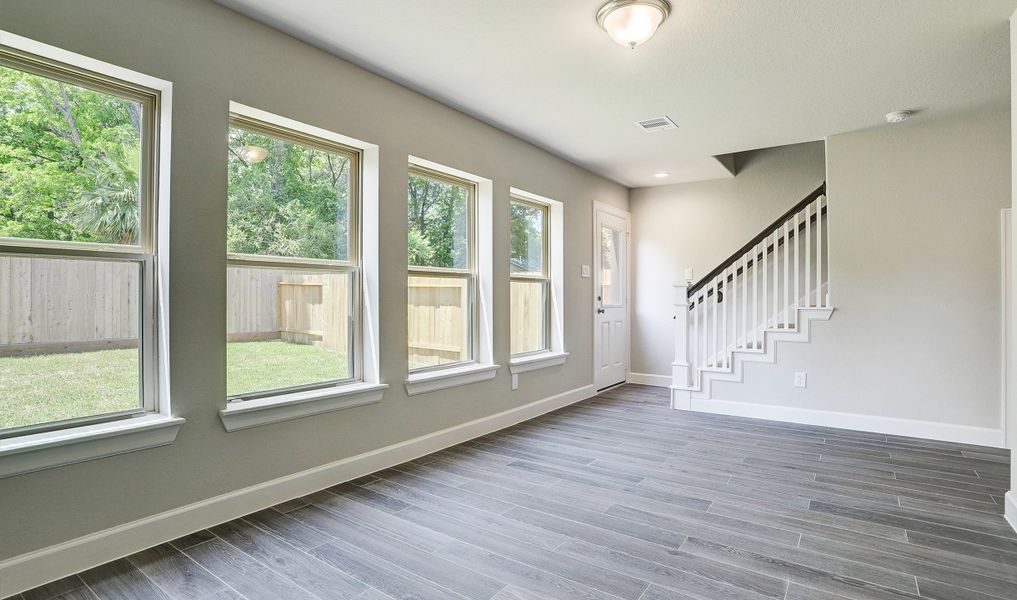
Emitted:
pixel 744 302
pixel 755 292
pixel 733 335
pixel 798 293
pixel 820 301
pixel 723 318
pixel 695 337
pixel 787 280
pixel 765 313
pixel 716 323
pixel 808 255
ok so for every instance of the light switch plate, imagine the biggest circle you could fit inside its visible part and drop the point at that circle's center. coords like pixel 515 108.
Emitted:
pixel 689 274
pixel 800 379
pixel 585 270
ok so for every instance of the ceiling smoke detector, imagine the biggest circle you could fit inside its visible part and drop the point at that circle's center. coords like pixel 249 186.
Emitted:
pixel 898 116
pixel 657 124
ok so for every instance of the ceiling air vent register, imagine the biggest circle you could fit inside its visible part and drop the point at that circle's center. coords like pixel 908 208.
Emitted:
pixel 657 124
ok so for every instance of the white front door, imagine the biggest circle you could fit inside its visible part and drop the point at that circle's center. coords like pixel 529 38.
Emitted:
pixel 611 287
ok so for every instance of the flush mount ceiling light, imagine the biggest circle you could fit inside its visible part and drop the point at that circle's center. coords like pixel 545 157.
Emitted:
pixel 632 22
pixel 252 154
pixel 661 175
pixel 898 116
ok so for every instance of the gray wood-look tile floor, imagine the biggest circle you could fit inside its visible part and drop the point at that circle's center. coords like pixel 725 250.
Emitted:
pixel 616 497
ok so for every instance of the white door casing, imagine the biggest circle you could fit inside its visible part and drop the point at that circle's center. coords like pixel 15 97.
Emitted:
pixel 611 296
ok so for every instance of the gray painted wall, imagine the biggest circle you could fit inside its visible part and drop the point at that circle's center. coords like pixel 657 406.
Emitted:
pixel 213 55
pixel 915 278
pixel 699 225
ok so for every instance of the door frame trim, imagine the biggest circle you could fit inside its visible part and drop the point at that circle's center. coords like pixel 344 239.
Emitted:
pixel 599 207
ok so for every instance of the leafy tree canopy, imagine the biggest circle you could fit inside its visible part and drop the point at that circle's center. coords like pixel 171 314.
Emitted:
pixel 70 161
pixel 293 203
pixel 438 223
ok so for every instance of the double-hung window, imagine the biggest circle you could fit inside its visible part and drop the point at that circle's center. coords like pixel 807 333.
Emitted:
pixel 293 278
pixel 79 340
pixel 301 270
pixel 84 155
pixel 530 277
pixel 537 286
pixel 442 282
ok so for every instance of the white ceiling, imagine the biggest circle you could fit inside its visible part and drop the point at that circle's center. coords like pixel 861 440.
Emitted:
pixel 734 74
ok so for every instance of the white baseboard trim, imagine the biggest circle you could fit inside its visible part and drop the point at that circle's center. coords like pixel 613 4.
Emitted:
pixel 649 379
pixel 965 434
pixel 1010 508
pixel 42 566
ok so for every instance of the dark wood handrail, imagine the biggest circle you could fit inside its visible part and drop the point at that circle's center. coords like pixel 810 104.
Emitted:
pixel 759 238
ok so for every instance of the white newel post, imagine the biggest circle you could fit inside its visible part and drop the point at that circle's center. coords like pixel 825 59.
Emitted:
pixel 681 370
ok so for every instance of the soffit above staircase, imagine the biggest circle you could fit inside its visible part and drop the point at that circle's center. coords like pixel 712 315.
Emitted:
pixel 735 75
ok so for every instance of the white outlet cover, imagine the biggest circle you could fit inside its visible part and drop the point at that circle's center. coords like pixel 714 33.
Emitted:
pixel 800 379
pixel 585 270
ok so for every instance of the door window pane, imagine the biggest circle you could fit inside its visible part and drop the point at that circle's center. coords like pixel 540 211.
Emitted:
pixel 438 223
pixel 527 238
pixel 439 320
pixel 287 199
pixel 286 327
pixel 70 162
pixel 529 315
pixel 610 266
pixel 69 339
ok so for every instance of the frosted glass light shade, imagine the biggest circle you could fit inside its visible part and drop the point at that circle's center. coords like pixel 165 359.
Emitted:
pixel 632 22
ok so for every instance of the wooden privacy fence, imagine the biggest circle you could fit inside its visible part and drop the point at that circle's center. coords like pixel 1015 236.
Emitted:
pixel 438 320
pixel 302 307
pixel 53 305
pixel 50 305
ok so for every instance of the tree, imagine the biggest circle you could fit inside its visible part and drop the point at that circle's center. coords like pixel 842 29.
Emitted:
pixel 293 204
pixel 437 219
pixel 69 161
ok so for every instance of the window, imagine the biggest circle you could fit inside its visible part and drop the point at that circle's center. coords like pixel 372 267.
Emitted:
pixel 293 264
pixel 441 284
pixel 537 284
pixel 531 282
pixel 79 271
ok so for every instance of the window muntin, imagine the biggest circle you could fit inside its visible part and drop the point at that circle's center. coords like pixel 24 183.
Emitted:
pixel 293 274
pixel 77 246
pixel 530 277
pixel 441 284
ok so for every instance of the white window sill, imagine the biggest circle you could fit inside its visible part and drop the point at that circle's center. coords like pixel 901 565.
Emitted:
pixel 285 407
pixel 432 381
pixel 39 451
pixel 540 360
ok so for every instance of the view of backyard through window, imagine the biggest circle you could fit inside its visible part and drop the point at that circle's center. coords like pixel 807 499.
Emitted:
pixel 440 283
pixel 289 282
pixel 530 284
pixel 70 172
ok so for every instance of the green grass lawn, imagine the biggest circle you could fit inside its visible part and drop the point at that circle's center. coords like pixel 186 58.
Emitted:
pixel 45 388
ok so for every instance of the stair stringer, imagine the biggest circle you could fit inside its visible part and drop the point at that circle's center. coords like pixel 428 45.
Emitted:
pixel 701 387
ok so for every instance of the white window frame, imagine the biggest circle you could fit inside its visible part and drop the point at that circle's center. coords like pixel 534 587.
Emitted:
pixel 482 367
pixel 555 354
pixel 364 386
pixel 54 444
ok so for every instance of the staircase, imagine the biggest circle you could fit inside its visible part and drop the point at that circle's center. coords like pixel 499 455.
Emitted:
pixel 767 292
